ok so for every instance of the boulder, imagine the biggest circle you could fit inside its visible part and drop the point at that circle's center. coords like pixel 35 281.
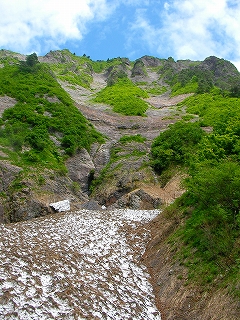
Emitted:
pixel 138 200
pixel 91 205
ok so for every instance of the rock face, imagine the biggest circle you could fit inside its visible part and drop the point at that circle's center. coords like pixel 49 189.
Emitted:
pixel 225 74
pixel 80 169
pixel 8 173
pixel 137 200
pixel 151 61
pixel 116 72
pixel 138 69
pixel 27 196
pixel 5 103
pixel 125 172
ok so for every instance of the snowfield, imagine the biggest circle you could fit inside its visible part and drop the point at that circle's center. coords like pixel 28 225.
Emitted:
pixel 77 265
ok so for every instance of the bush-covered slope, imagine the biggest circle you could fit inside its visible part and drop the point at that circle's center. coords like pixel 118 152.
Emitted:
pixel 44 124
pixel 211 232
pixel 78 70
pixel 204 76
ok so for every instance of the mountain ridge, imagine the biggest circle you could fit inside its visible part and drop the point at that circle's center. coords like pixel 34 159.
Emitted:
pixel 84 79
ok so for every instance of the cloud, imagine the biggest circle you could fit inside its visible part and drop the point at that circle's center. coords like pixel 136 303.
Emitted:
pixel 29 24
pixel 193 29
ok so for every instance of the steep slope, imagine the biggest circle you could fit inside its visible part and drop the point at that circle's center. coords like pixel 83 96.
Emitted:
pixel 177 296
pixel 40 129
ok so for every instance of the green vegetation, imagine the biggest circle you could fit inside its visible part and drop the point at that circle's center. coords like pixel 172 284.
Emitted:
pixel 100 65
pixel 78 70
pixel 136 138
pixel 192 80
pixel 215 109
pixel 44 113
pixel 74 72
pixel 156 90
pixel 176 145
pixel 211 205
pixel 125 97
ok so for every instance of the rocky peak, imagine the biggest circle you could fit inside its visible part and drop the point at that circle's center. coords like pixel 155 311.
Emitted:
pixel 138 68
pixel 151 61
pixel 57 56
pixel 218 66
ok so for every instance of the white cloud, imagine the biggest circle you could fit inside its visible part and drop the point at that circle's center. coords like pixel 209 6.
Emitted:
pixel 193 29
pixel 23 23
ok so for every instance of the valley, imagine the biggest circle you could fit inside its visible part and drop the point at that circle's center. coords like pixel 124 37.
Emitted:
pixel 132 146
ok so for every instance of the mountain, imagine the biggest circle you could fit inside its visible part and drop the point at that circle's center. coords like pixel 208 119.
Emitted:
pixel 145 134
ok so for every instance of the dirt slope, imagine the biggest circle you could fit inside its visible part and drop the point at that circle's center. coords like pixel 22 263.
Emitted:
pixel 176 299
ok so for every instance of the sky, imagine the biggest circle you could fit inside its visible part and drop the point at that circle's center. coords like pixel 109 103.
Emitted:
pixel 102 29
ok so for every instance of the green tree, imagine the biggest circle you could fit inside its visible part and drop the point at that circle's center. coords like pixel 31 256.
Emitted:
pixel 32 60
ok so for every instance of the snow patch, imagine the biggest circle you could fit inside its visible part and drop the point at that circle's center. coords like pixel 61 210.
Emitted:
pixel 61 206
pixel 77 265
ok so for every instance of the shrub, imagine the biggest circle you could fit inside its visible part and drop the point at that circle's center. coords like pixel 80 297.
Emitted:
pixel 175 145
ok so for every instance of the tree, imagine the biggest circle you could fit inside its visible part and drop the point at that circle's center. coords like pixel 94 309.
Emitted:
pixel 32 60
pixel 30 64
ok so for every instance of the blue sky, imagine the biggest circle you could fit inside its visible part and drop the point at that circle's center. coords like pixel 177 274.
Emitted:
pixel 102 29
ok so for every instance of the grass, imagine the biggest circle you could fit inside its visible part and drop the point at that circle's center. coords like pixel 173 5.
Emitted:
pixel 156 90
pixel 124 97
pixel 136 138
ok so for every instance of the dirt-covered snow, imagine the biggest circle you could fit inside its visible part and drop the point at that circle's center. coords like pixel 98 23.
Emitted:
pixel 77 265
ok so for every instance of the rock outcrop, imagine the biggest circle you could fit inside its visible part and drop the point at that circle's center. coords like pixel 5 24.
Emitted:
pixel 80 169
pixel 138 199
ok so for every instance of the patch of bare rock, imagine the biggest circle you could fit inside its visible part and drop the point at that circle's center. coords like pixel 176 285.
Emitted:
pixel 165 100
pixel 5 103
